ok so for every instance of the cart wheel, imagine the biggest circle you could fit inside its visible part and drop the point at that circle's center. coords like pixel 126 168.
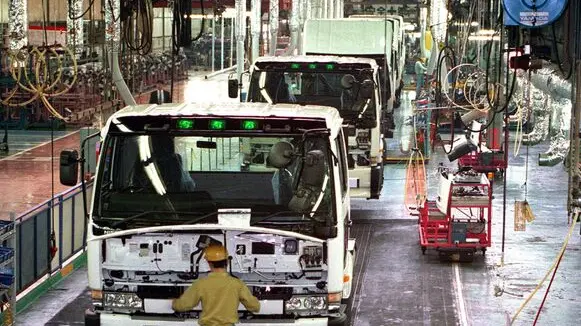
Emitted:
pixel 423 250
pixel 483 251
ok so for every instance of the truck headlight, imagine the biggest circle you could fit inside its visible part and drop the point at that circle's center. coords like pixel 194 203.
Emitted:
pixel 306 303
pixel 122 300
pixel 315 303
pixel 294 304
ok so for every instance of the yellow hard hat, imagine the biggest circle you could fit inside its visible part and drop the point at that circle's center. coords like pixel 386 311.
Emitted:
pixel 215 252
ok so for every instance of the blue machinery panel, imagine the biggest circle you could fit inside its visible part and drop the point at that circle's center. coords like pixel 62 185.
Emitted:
pixel 532 13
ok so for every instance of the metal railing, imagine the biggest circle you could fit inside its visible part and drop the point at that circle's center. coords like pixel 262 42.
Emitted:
pixel 33 229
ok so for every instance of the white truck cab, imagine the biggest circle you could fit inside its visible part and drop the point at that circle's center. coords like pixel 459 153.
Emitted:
pixel 269 182
pixel 350 85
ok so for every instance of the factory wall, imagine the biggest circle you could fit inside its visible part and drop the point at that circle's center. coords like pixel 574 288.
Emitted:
pixel 3 12
pixel 58 10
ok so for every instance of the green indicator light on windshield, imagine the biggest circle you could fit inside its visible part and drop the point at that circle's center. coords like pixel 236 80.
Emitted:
pixel 185 124
pixel 295 66
pixel 312 66
pixel 249 124
pixel 330 66
pixel 217 124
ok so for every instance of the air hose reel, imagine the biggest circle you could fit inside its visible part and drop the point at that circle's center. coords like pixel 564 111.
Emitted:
pixel 532 13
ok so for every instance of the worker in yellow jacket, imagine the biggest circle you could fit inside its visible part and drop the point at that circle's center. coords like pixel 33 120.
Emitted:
pixel 219 293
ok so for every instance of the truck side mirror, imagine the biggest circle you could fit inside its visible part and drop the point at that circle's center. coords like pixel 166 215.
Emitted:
pixel 366 89
pixel 69 167
pixel 232 88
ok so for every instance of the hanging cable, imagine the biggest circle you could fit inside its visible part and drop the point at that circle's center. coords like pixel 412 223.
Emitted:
pixel 70 3
pixel 136 18
pixel 553 267
pixel 203 23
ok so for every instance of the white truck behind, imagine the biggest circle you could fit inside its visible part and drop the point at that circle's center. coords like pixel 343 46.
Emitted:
pixel 175 178
pixel 348 84
pixel 369 37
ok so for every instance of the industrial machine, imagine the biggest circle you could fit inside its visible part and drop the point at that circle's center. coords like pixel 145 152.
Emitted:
pixel 459 221
pixel 347 84
pixel 471 152
pixel 175 178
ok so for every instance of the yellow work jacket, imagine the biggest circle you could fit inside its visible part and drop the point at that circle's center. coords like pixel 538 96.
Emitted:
pixel 220 295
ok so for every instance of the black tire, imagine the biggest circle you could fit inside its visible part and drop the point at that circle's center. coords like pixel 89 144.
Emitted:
pixel 423 250
pixel 346 319
pixel 92 318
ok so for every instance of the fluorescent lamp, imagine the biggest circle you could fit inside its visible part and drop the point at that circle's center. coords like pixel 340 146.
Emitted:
pixel 483 38
pixel 486 32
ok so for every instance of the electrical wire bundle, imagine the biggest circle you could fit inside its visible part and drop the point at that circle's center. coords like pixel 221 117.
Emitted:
pixel 44 84
pixel 136 18
pixel 181 13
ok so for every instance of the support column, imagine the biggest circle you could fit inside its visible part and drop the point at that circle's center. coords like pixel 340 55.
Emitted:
pixel 213 56
pixel 255 23
pixel 310 5
pixel 75 26
pixel 240 36
pixel 221 43
pixel 232 24
pixel 331 9
pixel 294 26
pixel 273 26
pixel 17 24
pixel 338 7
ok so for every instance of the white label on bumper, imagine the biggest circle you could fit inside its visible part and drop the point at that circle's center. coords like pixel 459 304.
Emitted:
pixel 163 306
pixel 158 306
pixel 353 182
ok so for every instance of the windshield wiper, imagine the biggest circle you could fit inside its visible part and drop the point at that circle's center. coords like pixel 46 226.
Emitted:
pixel 136 216
pixel 303 214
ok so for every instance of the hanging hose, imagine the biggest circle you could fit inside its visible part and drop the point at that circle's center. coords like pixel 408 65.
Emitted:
pixel 553 267
pixel 416 176
pixel 42 87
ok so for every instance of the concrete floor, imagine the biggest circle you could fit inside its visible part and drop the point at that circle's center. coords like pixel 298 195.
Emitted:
pixel 21 140
pixel 396 285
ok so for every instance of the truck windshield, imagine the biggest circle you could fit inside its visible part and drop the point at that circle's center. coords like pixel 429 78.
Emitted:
pixel 162 179
pixel 316 88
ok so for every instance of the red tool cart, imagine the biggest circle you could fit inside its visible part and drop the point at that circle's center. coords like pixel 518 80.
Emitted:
pixel 459 221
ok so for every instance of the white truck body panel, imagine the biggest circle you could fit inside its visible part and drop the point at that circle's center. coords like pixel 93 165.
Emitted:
pixel 347 36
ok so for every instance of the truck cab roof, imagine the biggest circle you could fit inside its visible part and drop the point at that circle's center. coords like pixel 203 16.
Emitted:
pixel 318 59
pixel 331 116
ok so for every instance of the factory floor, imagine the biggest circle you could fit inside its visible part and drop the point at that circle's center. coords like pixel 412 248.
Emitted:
pixel 25 175
pixel 396 285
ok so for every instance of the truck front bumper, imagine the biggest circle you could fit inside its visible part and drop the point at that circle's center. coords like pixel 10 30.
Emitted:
pixel 111 319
